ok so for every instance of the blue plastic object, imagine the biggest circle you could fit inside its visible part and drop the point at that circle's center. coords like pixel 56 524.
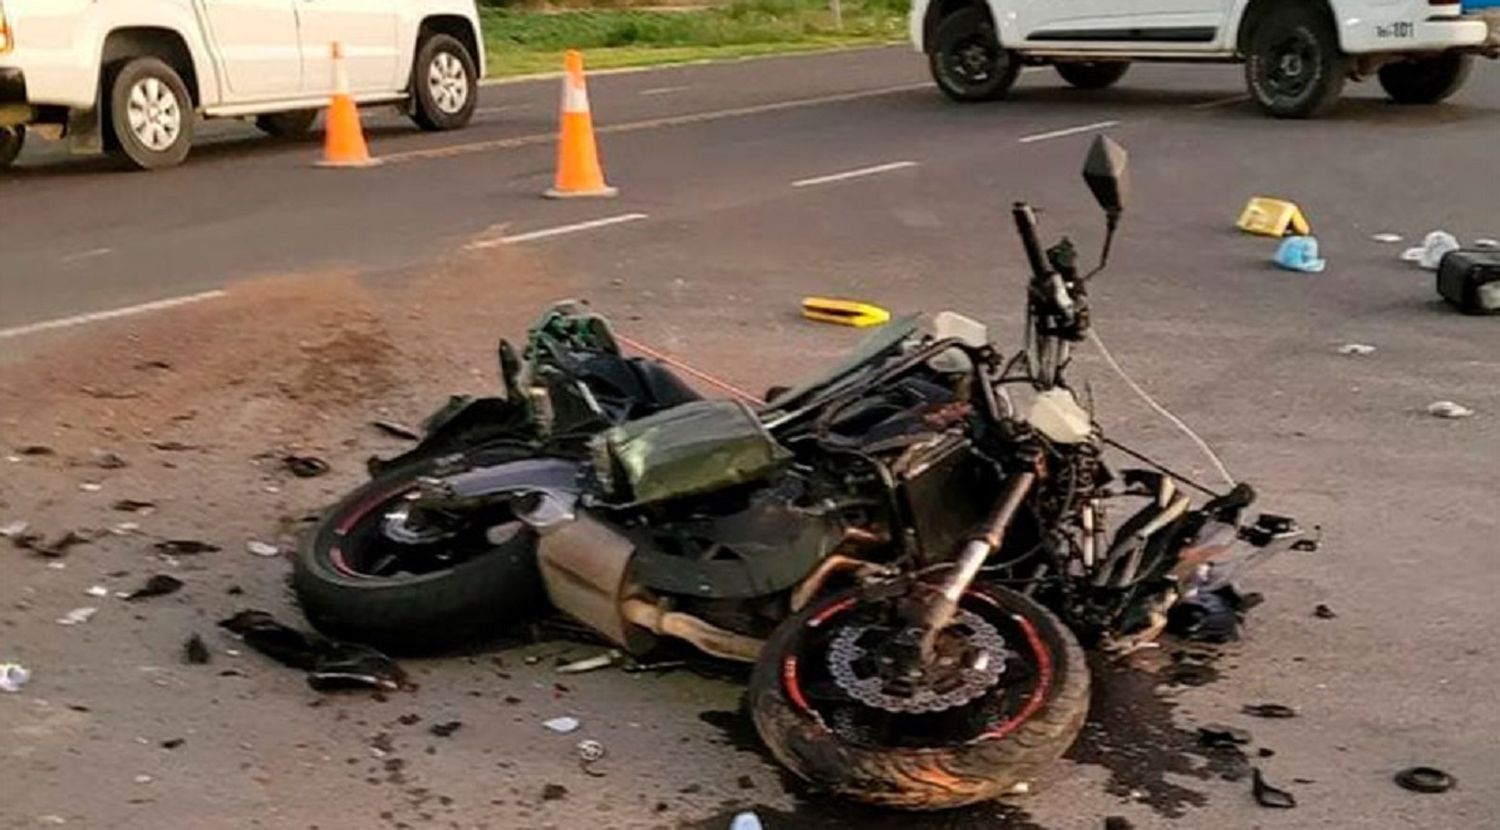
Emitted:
pixel 1476 5
pixel 1300 253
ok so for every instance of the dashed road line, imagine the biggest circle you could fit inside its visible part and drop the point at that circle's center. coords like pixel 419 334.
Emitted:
pixel 90 254
pixel 1086 128
pixel 663 90
pixel 1220 102
pixel 854 174
pixel 97 316
pixel 545 233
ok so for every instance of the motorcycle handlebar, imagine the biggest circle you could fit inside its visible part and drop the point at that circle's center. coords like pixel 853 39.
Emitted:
pixel 1025 218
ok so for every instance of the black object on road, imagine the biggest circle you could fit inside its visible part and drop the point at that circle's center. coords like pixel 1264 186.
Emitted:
pixel 305 466
pixel 396 429
pixel 158 585
pixel 330 665
pixel 1118 823
pixel 443 730
pixel 1425 780
pixel 1323 612
pixel 185 547
pixel 1469 280
pixel 1269 796
pixel 195 651
pixel 1269 710
pixel 1219 736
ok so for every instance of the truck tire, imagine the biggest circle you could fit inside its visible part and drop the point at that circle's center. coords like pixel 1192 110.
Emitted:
pixel 293 124
pixel 1294 67
pixel 1092 74
pixel 445 84
pixel 1050 679
pixel 1425 81
pixel 12 139
pixel 149 123
pixel 967 61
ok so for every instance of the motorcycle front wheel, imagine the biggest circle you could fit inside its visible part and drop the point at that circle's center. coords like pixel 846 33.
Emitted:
pixel 1012 701
pixel 372 572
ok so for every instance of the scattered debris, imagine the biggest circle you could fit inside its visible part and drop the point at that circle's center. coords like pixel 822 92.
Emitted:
pixel 185 547
pixel 36 449
pixel 590 752
pixel 396 429
pixel 109 461
pixel 409 719
pixel 305 466
pixel 330 665
pixel 1269 710
pixel 173 743
pixel 1486 242
pixel 1300 253
pixel 1269 796
pixel 1449 409
pixel 588 664
pixel 745 821
pixel 1118 823
pixel 1434 247
pixel 158 585
pixel 1387 237
pixel 133 506
pixel 11 530
pixel 562 725
pixel 55 549
pixel 13 676
pixel 97 591
pixel 91 487
pixel 444 730
pixel 658 666
pixel 554 792
pixel 143 779
pixel 1323 612
pixel 78 616
pixel 125 528
pixel 1425 780
pixel 1356 349
pixel 172 446
pixel 1265 752
pixel 195 651
pixel 1219 736
pixel 1272 217
pixel 265 549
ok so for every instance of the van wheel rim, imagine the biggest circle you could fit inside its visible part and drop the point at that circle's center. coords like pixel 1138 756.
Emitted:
pixel 448 83
pixel 154 114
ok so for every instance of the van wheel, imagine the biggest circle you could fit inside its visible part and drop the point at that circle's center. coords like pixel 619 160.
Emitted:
pixel 445 84
pixel 11 141
pixel 292 124
pixel 150 119
pixel 1092 74
pixel 967 60
pixel 1426 81
pixel 1294 67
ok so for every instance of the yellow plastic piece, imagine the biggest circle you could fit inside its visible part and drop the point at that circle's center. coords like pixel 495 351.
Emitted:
pixel 844 312
pixel 1273 217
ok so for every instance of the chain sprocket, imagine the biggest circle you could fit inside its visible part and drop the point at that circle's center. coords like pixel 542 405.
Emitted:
pixel 977 668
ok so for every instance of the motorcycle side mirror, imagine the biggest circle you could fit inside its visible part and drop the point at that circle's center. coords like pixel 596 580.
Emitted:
pixel 1105 172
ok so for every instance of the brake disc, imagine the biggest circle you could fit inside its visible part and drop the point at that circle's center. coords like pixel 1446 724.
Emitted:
pixel 981 662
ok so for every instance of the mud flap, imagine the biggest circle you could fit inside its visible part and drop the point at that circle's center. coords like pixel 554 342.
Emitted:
pixel 84 133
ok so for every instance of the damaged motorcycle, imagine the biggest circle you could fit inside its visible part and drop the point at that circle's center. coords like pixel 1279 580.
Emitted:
pixel 908 549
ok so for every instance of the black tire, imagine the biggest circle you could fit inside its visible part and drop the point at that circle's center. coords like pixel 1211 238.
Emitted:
pixel 1425 81
pixel 293 124
pixel 966 58
pixel 1092 74
pixel 12 139
pixel 922 778
pixel 435 105
pixel 412 613
pixel 1294 67
pixel 165 136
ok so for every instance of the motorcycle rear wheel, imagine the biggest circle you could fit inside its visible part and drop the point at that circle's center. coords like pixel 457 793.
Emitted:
pixel 1011 750
pixel 354 582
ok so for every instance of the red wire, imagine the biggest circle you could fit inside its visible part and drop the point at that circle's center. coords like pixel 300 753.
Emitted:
pixel 677 364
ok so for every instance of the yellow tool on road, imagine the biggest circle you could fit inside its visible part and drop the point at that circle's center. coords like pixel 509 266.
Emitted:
pixel 844 312
pixel 1273 217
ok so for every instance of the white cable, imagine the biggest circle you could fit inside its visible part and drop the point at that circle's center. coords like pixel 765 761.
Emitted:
pixel 1161 410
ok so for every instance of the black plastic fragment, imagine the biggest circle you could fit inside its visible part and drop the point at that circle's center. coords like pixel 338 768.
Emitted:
pixel 330 665
pixel 396 429
pixel 1425 780
pixel 305 466
pixel 1269 710
pixel 185 547
pixel 195 651
pixel 443 730
pixel 1323 612
pixel 1219 736
pixel 158 585
pixel 1269 796
pixel 1118 823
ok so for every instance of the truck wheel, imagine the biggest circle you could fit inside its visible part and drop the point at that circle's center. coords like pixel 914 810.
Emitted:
pixel 1294 67
pixel 150 119
pixel 11 141
pixel 1092 74
pixel 967 60
pixel 1425 81
pixel 445 84
pixel 292 124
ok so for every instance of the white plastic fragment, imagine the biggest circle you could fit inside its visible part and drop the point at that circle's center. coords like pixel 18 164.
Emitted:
pixel 57 566
pixel 78 616
pixel 1434 247
pixel 1355 349
pixel 590 751
pixel 143 779
pixel 1449 409
pixel 97 591
pixel 90 487
pixel 13 676
pixel 562 725
pixel 598 661
pixel 745 821
pixel 262 548
pixel 1486 242
pixel 11 530
pixel 1387 237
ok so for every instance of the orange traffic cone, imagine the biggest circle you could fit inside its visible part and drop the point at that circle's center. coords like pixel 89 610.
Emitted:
pixel 578 171
pixel 345 141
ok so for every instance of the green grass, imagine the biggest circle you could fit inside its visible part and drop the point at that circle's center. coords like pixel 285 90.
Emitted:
pixel 522 42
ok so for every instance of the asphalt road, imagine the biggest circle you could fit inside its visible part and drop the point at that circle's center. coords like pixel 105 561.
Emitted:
pixel 728 165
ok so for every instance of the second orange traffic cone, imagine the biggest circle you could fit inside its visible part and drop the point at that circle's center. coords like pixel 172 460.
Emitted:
pixel 344 145
pixel 578 170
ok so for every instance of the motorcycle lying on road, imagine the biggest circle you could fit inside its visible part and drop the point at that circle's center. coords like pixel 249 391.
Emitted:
pixel 908 549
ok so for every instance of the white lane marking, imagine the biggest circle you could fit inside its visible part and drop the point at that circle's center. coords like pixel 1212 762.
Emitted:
pixel 483 244
pixel 1219 102
pixel 96 316
pixel 650 123
pixel 637 70
pixel 663 90
pixel 501 108
pixel 90 254
pixel 854 174
pixel 1086 128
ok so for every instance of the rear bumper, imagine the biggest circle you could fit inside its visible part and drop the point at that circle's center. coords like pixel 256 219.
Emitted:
pixel 1432 35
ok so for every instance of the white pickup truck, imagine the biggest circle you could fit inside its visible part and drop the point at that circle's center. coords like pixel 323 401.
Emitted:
pixel 1297 53
pixel 130 76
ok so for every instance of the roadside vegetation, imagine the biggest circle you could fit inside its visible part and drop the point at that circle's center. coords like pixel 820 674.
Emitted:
pixel 525 39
